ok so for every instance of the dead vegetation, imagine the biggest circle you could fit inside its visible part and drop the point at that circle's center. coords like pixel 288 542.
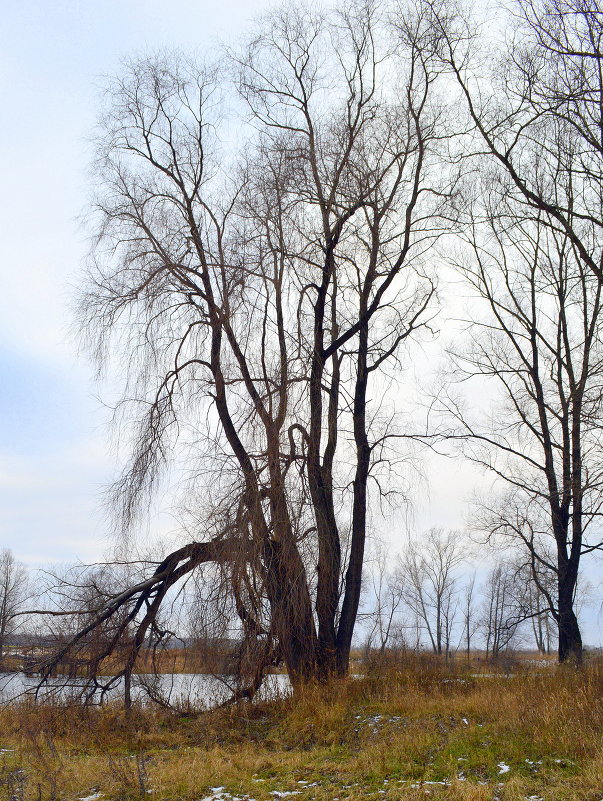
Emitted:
pixel 410 728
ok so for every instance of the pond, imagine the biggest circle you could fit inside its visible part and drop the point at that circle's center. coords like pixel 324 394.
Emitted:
pixel 183 689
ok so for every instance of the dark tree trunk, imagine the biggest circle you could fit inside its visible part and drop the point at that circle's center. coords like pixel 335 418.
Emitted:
pixel 128 689
pixel 353 578
pixel 292 619
pixel 320 480
pixel 570 639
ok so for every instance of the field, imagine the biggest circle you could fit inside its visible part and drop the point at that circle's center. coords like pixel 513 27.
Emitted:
pixel 410 729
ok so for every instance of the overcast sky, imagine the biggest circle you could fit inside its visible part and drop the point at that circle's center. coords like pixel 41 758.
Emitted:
pixel 54 454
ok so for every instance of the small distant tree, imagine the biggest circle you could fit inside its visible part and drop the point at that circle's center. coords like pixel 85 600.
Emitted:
pixel 470 624
pixel 387 589
pixel 429 571
pixel 535 592
pixel 502 612
pixel 13 593
pixel 543 624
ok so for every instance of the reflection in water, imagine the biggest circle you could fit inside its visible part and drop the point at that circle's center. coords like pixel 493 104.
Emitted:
pixel 182 689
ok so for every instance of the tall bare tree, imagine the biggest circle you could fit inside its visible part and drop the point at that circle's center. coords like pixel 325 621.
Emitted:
pixel 255 300
pixel 535 338
pixel 534 114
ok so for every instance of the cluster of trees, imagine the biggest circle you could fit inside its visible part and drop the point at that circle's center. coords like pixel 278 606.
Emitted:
pixel 430 597
pixel 427 597
pixel 266 252
pixel 534 264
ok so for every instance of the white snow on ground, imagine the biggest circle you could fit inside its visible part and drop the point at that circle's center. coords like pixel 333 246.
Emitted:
pixel 218 794
pixel 92 797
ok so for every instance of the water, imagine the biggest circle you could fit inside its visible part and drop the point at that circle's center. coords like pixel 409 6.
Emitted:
pixel 197 690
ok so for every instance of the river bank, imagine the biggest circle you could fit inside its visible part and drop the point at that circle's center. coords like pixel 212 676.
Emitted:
pixel 413 731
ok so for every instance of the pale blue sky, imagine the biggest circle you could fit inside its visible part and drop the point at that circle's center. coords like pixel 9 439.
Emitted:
pixel 54 454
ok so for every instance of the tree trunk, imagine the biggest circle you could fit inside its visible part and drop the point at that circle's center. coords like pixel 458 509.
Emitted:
pixel 128 689
pixel 320 481
pixel 292 618
pixel 353 578
pixel 570 639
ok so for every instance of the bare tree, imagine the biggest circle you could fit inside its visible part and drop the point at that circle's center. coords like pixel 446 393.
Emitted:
pixel 470 625
pixel 386 597
pixel 13 593
pixel 502 613
pixel 536 339
pixel 536 235
pixel 538 608
pixel 254 303
pixel 429 571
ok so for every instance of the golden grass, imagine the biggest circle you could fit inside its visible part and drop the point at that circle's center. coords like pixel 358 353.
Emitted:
pixel 418 730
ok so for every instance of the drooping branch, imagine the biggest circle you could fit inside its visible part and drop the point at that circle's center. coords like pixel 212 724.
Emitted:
pixel 145 596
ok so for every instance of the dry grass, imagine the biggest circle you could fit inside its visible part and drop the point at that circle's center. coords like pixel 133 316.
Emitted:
pixel 418 730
